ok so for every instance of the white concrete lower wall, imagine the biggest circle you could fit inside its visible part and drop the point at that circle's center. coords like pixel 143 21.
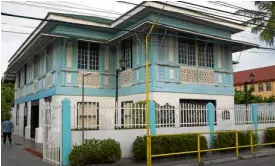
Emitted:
pixel 127 137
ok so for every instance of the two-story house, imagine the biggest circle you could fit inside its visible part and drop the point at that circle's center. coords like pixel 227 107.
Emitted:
pixel 190 61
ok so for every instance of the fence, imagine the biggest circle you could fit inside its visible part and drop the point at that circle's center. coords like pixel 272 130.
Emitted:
pixel 266 114
pixel 110 121
pixel 52 134
pixel 132 116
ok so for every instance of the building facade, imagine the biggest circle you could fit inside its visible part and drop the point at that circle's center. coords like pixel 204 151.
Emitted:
pixel 264 83
pixel 190 61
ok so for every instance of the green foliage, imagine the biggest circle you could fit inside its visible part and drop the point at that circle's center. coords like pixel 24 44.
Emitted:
pixel 7 100
pixel 239 97
pixel 109 151
pixel 167 144
pixel 263 18
pixel 270 135
pixel 226 140
pixel 95 151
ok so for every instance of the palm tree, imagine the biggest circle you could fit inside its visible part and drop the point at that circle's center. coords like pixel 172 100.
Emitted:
pixel 264 18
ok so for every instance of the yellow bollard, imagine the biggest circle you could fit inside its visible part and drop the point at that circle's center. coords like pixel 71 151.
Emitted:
pixel 251 142
pixel 199 148
pixel 237 143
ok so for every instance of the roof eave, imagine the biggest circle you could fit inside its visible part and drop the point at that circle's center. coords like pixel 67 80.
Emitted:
pixel 27 40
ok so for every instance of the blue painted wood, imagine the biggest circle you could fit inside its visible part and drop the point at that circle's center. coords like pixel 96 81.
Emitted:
pixel 211 122
pixel 38 95
pixel 193 89
pixel 255 117
pixel 82 32
pixel 152 118
pixel 66 131
pixel 77 91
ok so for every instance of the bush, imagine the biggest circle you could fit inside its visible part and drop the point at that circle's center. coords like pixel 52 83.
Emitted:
pixel 95 151
pixel 269 136
pixel 167 144
pixel 224 140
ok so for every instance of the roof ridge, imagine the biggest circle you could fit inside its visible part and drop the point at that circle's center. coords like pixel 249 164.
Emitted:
pixel 255 68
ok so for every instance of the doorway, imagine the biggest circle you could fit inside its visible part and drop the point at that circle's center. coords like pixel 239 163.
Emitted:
pixel 25 118
pixel 34 117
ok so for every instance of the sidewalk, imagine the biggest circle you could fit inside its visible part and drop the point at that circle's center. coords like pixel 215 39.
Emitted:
pixel 17 156
pixel 27 143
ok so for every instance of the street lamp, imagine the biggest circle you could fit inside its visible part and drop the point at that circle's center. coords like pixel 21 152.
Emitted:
pixel 251 77
pixel 122 67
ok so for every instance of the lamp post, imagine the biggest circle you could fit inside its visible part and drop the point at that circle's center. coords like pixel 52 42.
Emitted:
pixel 122 66
pixel 251 77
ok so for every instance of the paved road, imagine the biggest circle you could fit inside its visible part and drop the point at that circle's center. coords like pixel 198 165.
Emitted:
pixel 17 156
pixel 265 161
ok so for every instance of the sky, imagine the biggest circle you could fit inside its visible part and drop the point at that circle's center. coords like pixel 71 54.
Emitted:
pixel 10 42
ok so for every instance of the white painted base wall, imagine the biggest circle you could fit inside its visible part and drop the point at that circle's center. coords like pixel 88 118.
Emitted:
pixel 18 129
pixel 126 137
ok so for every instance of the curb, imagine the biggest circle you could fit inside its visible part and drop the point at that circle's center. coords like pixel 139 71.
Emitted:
pixel 231 159
pixel 191 164
pixel 218 161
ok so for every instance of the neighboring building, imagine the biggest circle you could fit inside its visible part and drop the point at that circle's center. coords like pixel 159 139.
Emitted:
pixel 264 82
pixel 194 69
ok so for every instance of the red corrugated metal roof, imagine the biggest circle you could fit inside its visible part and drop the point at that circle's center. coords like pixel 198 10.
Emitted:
pixel 263 74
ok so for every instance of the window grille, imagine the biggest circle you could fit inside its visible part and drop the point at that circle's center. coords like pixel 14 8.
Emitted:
pixel 90 116
pixel 82 55
pixel 186 49
pixel 127 53
pixel 225 115
pixel 126 112
pixel 206 54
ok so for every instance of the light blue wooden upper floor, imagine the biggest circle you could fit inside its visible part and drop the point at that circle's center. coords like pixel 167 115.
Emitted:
pixel 184 56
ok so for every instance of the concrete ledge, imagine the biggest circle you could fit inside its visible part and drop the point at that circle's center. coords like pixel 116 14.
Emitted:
pixel 270 154
pixel 218 161
pixel 191 164
pixel 245 157
pixel 260 155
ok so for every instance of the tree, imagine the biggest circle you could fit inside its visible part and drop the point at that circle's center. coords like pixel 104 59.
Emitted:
pixel 239 97
pixel 264 18
pixel 7 100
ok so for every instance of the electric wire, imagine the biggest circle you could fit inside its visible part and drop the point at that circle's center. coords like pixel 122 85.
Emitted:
pixel 147 8
pixel 27 17
pixel 207 18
